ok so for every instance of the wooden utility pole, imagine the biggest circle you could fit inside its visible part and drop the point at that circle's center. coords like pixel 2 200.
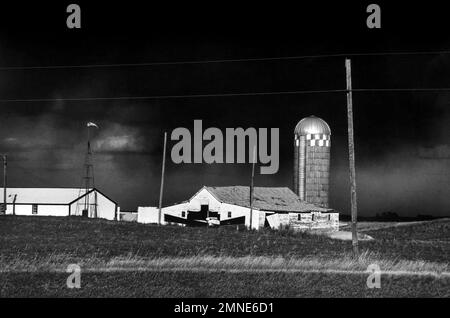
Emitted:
pixel 351 153
pixel 162 179
pixel 4 184
pixel 14 204
pixel 251 186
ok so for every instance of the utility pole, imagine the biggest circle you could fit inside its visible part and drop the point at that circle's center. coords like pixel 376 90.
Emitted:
pixel 89 171
pixel 4 184
pixel 14 204
pixel 351 152
pixel 162 178
pixel 251 186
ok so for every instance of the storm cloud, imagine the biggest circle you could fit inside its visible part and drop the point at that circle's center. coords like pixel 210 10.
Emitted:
pixel 402 139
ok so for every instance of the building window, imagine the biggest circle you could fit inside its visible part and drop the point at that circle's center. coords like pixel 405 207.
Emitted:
pixel 229 214
pixel 183 214
pixel 34 209
pixel 313 217
pixel 299 217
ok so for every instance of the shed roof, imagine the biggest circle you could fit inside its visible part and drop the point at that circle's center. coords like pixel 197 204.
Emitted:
pixel 44 195
pixel 280 199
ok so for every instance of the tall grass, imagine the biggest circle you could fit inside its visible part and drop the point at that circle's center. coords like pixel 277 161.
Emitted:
pixel 50 244
pixel 134 262
pixel 249 263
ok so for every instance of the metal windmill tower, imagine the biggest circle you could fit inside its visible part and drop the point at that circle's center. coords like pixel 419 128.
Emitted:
pixel 88 179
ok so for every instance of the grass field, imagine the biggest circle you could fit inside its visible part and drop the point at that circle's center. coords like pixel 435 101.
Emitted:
pixel 129 259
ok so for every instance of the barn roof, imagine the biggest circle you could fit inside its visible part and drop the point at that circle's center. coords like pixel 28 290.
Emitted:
pixel 265 198
pixel 44 195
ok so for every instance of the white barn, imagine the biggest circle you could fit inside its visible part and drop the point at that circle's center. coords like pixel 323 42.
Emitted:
pixel 60 202
pixel 272 207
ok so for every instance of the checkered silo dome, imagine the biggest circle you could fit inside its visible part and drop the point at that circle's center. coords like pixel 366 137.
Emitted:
pixel 312 126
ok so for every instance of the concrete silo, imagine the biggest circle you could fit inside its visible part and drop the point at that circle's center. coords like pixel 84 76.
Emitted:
pixel 312 141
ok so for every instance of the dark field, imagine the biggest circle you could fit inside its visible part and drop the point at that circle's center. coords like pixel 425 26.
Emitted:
pixel 56 241
pixel 227 285
pixel 37 236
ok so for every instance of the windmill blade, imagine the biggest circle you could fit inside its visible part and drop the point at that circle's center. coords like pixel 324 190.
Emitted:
pixel 91 124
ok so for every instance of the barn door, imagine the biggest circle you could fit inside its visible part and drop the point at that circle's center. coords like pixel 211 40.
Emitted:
pixel 204 211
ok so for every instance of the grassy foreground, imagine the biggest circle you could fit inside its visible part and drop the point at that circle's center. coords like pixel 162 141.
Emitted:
pixel 128 259
pixel 230 285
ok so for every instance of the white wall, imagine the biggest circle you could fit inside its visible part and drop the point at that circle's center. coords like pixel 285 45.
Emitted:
pixel 127 216
pixel 42 209
pixel 53 210
pixel 239 211
pixel 147 214
pixel 308 220
pixel 106 209
pixel 278 220
pixel 21 209
pixel 204 197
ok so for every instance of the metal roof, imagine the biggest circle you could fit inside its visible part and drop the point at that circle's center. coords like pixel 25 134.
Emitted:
pixel 42 195
pixel 265 198
pixel 312 125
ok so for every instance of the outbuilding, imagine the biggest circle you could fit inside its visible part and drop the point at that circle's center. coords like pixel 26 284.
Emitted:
pixel 274 207
pixel 60 202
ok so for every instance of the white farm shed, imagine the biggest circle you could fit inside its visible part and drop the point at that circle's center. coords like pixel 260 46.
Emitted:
pixel 59 202
pixel 272 207
pixel 147 214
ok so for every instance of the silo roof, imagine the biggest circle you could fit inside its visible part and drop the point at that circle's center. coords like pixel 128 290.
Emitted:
pixel 312 125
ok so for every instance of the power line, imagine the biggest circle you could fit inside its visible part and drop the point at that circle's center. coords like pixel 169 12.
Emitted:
pixel 240 60
pixel 419 90
pixel 84 99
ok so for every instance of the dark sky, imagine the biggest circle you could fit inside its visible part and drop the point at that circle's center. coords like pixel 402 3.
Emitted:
pixel 402 138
